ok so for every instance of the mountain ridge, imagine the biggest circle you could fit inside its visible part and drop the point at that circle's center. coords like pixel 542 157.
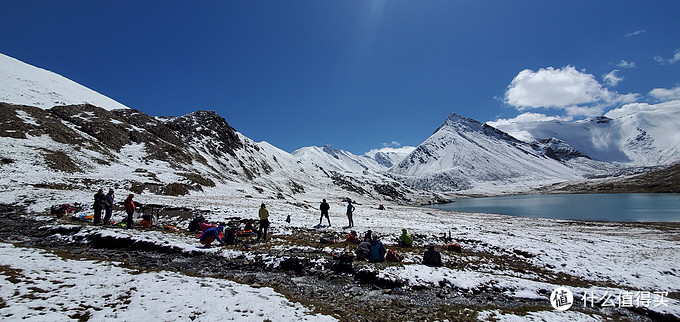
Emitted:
pixel 200 150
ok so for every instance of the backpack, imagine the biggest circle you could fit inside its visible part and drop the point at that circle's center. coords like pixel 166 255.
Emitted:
pixel 392 256
pixel 453 247
pixel 193 225
pixel 230 237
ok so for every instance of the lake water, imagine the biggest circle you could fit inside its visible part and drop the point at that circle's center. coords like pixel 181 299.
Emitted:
pixel 632 207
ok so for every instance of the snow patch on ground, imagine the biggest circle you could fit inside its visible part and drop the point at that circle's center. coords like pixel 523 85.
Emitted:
pixel 40 286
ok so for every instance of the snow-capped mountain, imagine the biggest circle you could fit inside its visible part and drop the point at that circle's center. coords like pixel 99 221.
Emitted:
pixel 387 156
pixel 648 137
pixel 464 154
pixel 194 152
pixel 338 160
pixel 77 146
pixel 24 84
pixel 58 144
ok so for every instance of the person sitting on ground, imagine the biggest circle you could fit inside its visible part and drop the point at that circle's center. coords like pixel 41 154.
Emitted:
pixel 405 240
pixel 146 220
pixel 210 235
pixel 249 226
pixel 363 250
pixel 367 236
pixel 352 237
pixel 432 257
pixel 377 250
pixel 194 224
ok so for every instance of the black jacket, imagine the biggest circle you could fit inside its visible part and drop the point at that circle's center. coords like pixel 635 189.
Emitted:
pixel 324 207
pixel 432 258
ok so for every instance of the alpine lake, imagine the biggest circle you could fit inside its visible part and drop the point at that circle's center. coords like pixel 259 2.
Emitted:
pixel 626 207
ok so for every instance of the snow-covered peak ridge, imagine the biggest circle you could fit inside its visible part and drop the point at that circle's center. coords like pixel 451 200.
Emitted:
pixel 459 122
pixel 24 84
pixel 466 154
pixel 337 160
pixel 637 134
pixel 389 156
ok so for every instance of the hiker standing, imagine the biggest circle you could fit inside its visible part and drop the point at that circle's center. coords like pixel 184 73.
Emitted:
pixel 98 206
pixel 130 209
pixel 324 207
pixel 350 210
pixel 264 223
pixel 108 206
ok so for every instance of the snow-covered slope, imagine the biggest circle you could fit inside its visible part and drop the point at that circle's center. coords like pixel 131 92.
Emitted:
pixel 24 84
pixel 79 146
pixel 465 154
pixel 388 157
pixel 649 137
pixel 337 160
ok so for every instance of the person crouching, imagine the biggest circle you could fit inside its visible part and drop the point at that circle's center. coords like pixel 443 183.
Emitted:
pixel 211 235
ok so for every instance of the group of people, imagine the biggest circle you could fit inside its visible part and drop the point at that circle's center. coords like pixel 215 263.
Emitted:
pixel 106 201
pixel 372 249
pixel 210 235
pixel 325 207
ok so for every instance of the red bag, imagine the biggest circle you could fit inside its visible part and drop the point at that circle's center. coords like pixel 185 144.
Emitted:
pixel 392 256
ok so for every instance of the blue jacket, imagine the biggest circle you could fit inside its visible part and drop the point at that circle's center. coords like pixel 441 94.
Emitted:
pixel 377 251
pixel 109 201
pixel 350 208
pixel 212 232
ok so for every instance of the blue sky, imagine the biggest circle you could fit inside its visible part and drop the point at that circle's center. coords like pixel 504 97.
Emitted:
pixel 355 74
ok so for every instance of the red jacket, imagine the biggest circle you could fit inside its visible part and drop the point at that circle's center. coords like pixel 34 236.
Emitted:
pixel 129 205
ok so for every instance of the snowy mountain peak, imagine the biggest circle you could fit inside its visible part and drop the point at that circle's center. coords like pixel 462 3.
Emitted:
pixel 464 153
pixel 24 84
pixel 329 149
pixel 458 122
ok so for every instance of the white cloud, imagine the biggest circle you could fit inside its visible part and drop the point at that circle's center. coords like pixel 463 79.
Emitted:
pixel 638 107
pixel 588 111
pixel 664 94
pixel 672 60
pixel 514 126
pixel 627 109
pixel 611 78
pixel 626 64
pixel 563 88
pixel 395 144
pixel 635 33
